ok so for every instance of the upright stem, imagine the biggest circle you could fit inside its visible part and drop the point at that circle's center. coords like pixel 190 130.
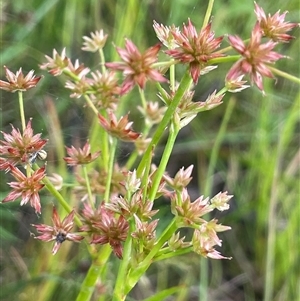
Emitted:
pixel 110 168
pixel 183 87
pixel 88 186
pixel 174 129
pixel 203 287
pixel 22 113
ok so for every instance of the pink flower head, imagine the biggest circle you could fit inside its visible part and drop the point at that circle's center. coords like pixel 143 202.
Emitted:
pixel 59 232
pixel 274 27
pixel 26 187
pixel 110 229
pixel 136 66
pixel 17 147
pixel 19 82
pixel 120 129
pixel 57 63
pixel 255 57
pixel 196 49
pixel 78 156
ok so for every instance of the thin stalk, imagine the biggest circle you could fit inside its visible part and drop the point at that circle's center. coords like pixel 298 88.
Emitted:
pixel 88 186
pixel 110 168
pixel 102 60
pixel 203 285
pixel 208 13
pixel 270 258
pixel 285 75
pixel 59 197
pixel 118 293
pixel 136 274
pixel 174 129
pixel 96 269
pixel 183 87
pixel 22 112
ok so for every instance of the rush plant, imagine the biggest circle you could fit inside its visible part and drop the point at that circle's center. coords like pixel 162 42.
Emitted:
pixel 115 213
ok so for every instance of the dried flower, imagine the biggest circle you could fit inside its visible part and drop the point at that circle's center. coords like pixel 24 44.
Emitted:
pixel 17 82
pixel 190 212
pixel 181 179
pixel 274 26
pixel 26 187
pixel 204 245
pixel 96 42
pixel 235 84
pixel 112 230
pixel 137 67
pixel 20 148
pixel 57 63
pixel 59 232
pixel 56 180
pixel 255 57
pixel 196 49
pixel 152 112
pixel 78 156
pixel 176 242
pixel 106 89
pixel 136 205
pixel 145 231
pixel 120 129
pixel 220 201
pixel 164 34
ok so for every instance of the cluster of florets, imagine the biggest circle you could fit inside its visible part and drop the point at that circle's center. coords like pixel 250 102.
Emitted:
pixel 109 222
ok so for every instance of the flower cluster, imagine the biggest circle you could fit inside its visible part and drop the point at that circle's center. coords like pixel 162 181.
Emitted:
pixel 116 200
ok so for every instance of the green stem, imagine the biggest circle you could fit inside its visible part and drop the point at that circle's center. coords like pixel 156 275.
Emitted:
pixel 118 293
pixel 217 145
pixel 91 105
pixel 96 269
pixel 136 274
pixel 88 186
pixel 22 112
pixel 59 197
pixel 102 60
pixel 174 129
pixel 110 168
pixel 285 75
pixel 208 13
pixel 203 286
pixel 183 87
pixel 172 77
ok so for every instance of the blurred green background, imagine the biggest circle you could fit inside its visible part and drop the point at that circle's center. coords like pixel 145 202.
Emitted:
pixel 258 159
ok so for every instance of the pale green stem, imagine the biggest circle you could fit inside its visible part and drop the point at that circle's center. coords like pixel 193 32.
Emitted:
pixel 172 77
pixel 183 87
pixel 208 13
pixel 285 75
pixel 22 112
pixel 88 186
pixel 91 105
pixel 110 168
pixel 135 274
pixel 59 197
pixel 174 129
pixel 96 269
pixel 203 288
pixel 120 284
pixel 102 60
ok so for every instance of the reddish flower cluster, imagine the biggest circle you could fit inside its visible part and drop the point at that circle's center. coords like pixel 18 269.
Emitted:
pixel 105 227
pixel 59 232
pixel 19 82
pixel 137 67
pixel 18 148
pixel 195 48
pixel 26 187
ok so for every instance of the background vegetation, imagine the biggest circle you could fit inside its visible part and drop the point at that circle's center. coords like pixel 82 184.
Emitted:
pixel 258 158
